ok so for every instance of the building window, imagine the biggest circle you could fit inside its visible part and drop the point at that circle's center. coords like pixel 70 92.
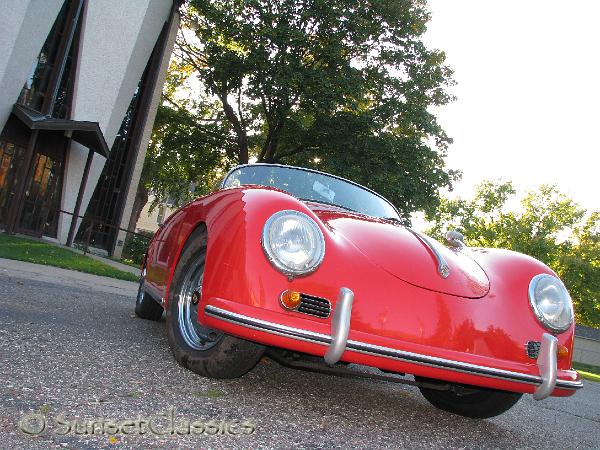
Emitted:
pixel 38 86
pixel 103 210
pixel 61 109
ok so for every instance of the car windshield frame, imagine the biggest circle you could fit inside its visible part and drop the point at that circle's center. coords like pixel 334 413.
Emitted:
pixel 283 166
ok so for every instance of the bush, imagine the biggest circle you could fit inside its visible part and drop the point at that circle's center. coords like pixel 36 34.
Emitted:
pixel 136 246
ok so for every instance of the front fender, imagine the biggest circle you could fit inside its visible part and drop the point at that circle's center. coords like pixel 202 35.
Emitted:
pixel 510 273
pixel 235 263
pixel 236 266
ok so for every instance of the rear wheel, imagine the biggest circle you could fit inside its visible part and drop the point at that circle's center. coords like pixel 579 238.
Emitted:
pixel 145 306
pixel 470 401
pixel 201 349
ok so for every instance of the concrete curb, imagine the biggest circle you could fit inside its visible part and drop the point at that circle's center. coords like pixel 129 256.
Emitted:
pixel 55 275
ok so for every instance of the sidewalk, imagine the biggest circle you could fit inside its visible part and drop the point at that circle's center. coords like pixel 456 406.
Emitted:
pixel 107 261
pixel 55 275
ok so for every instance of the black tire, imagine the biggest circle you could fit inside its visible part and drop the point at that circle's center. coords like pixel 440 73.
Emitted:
pixel 223 356
pixel 471 401
pixel 145 306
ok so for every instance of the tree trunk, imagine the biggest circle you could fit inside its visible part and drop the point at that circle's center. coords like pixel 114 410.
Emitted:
pixel 243 148
pixel 238 127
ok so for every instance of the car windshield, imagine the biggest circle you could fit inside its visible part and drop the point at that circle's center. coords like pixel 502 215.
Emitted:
pixel 313 186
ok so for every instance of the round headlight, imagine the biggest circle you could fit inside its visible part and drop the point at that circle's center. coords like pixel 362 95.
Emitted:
pixel 293 242
pixel 551 302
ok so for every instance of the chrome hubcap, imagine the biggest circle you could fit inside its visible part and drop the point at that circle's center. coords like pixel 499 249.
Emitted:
pixel 194 334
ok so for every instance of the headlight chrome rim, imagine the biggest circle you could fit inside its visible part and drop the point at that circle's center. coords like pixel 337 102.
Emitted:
pixel 275 261
pixel 533 303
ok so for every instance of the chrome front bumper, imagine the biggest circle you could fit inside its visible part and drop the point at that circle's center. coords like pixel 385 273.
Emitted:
pixel 337 343
pixel 340 326
pixel 547 364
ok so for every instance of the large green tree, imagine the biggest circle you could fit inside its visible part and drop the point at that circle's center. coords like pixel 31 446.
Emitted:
pixel 342 86
pixel 548 226
pixel 188 148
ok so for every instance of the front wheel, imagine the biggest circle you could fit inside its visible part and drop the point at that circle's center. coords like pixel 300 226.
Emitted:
pixel 471 401
pixel 203 350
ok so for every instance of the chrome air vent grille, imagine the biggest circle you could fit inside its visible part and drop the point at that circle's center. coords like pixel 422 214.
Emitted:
pixel 315 306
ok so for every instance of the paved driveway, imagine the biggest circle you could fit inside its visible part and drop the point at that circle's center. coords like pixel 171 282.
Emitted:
pixel 72 352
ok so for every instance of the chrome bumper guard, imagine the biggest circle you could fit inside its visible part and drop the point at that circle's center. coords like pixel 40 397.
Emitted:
pixel 340 326
pixel 546 362
pixel 338 342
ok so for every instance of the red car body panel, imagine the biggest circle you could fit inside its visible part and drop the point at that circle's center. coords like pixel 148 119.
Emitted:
pixel 479 315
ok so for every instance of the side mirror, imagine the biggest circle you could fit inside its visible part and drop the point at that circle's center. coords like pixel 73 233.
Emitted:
pixel 455 239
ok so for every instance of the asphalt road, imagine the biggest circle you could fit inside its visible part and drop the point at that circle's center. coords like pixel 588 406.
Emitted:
pixel 73 352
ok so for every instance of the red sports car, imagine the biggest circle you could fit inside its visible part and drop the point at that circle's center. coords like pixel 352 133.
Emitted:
pixel 319 273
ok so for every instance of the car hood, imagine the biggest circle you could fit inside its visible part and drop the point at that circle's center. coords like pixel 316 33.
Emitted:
pixel 397 250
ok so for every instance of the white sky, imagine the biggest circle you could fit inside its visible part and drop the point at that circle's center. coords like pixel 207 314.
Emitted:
pixel 528 92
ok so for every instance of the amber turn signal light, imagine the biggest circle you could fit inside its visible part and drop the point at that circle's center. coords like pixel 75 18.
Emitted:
pixel 290 299
pixel 562 351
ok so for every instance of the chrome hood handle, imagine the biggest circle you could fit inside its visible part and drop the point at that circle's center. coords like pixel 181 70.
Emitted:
pixel 443 267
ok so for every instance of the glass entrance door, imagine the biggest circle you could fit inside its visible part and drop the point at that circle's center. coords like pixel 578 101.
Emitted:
pixel 41 200
pixel 11 158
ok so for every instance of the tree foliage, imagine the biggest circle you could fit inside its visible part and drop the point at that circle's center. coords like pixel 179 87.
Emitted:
pixel 188 148
pixel 548 226
pixel 337 85
pixel 183 157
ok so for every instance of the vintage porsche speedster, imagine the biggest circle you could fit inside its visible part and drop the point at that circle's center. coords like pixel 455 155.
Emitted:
pixel 318 273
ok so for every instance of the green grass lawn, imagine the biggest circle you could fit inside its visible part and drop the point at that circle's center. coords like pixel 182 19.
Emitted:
pixel 22 249
pixel 587 371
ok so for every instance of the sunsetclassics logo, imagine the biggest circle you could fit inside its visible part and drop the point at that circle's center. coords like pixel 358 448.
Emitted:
pixel 160 424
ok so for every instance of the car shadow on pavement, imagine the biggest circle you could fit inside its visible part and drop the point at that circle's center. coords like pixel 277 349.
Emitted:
pixel 324 405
